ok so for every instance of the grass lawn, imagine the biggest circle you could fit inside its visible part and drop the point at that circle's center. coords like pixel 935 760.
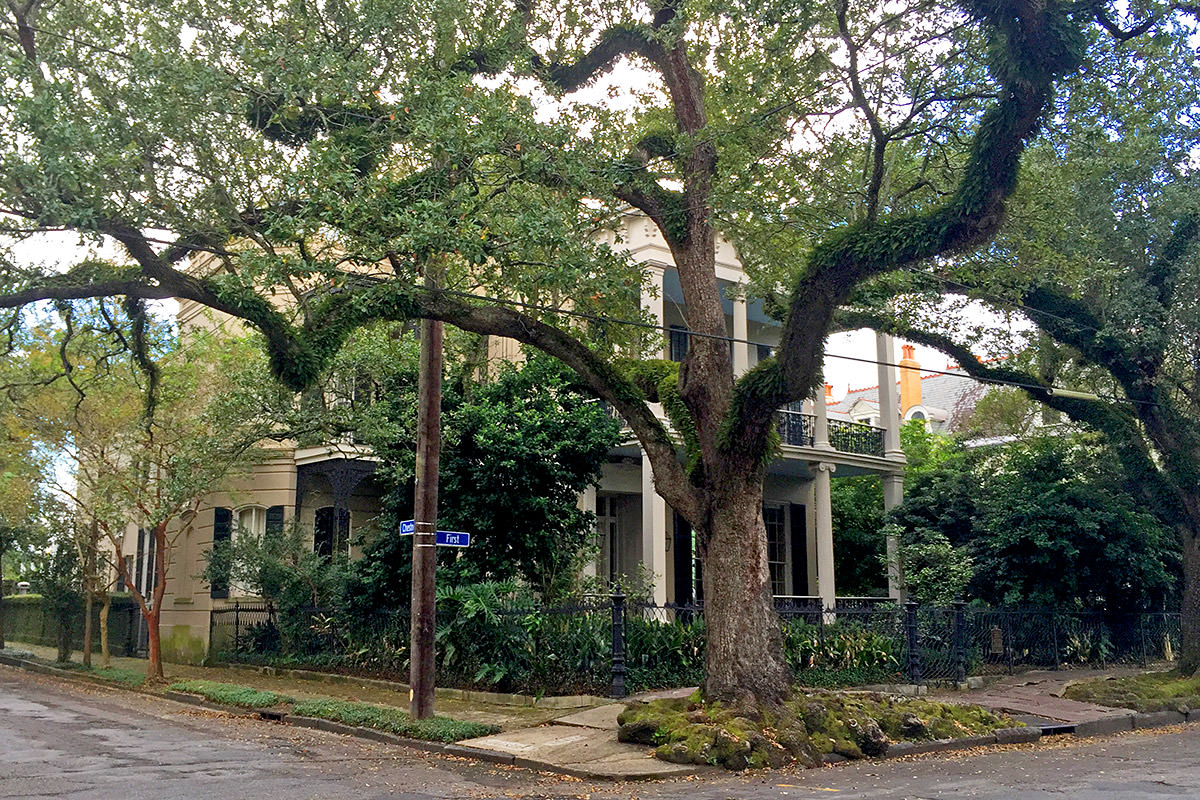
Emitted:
pixel 1153 691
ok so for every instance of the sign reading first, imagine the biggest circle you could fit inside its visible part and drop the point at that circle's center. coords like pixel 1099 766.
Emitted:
pixel 444 538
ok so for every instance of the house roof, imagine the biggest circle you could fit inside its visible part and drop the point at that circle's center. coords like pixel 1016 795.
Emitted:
pixel 950 390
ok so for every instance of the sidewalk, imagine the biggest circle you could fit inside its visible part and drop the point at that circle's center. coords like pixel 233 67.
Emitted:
pixel 1038 694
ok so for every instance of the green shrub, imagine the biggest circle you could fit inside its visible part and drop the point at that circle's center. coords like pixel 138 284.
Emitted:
pixel 392 720
pixel 230 694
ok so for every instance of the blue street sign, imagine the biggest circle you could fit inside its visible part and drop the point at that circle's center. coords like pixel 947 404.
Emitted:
pixel 444 538
pixel 453 539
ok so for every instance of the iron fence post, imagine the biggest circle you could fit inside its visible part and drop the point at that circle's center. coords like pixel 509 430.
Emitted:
pixel 237 627
pixel 913 636
pixel 1142 634
pixel 960 641
pixel 618 643
pixel 211 659
pixel 1054 637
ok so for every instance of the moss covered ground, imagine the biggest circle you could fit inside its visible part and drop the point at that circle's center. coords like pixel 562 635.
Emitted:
pixel 1153 691
pixel 809 726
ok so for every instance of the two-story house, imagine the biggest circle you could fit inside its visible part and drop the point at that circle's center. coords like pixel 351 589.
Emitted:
pixel 330 489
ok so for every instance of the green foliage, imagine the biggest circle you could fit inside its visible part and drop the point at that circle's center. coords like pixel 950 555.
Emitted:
pixel 857 505
pixel 230 694
pixel 819 653
pixel 518 450
pixel 1046 521
pixel 392 720
pixel 60 585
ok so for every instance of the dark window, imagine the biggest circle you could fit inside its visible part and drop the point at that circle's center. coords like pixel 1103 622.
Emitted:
pixel 275 520
pixel 139 564
pixel 677 339
pixel 330 537
pixel 773 516
pixel 764 352
pixel 222 531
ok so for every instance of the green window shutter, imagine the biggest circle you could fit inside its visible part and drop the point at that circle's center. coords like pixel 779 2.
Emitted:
pixel 275 519
pixel 222 530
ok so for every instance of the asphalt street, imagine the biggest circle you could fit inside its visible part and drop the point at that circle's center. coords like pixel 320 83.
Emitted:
pixel 60 740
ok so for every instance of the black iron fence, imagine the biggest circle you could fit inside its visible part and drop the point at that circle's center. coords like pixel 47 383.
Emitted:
pixel 613 646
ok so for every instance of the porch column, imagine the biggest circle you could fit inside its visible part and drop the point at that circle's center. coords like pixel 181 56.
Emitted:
pixel 741 334
pixel 893 495
pixel 821 432
pixel 652 301
pixel 823 473
pixel 654 533
pixel 587 502
pixel 889 411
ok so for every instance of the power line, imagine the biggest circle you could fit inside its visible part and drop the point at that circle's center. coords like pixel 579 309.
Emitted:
pixel 604 319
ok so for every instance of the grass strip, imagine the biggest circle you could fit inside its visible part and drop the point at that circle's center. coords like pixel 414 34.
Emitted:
pixel 1153 691
pixel 392 720
pixel 231 694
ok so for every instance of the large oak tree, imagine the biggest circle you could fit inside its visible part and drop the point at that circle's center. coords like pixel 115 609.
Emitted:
pixel 324 152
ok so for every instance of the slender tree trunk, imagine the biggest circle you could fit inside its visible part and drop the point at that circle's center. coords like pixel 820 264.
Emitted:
pixel 89 591
pixel 105 605
pixel 64 637
pixel 1189 608
pixel 2 645
pixel 744 661
pixel 154 670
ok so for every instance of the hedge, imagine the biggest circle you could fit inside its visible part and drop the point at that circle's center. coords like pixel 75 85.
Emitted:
pixel 25 620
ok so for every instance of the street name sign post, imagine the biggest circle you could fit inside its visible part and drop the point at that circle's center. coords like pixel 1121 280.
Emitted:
pixel 443 538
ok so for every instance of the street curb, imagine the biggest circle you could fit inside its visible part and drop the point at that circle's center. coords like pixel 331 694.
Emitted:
pixel 1030 734
pixel 1158 719
pixel 1102 727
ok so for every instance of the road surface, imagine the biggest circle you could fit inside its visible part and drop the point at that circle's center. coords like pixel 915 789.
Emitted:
pixel 63 740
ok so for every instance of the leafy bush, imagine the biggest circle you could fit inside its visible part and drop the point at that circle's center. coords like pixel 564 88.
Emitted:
pixel 839 647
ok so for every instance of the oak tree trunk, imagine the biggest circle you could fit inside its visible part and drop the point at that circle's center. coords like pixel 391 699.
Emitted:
pixel 744 661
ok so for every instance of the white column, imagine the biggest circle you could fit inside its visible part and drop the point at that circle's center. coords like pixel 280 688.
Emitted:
pixel 652 301
pixel 654 533
pixel 821 433
pixel 825 579
pixel 587 502
pixel 889 410
pixel 893 495
pixel 741 335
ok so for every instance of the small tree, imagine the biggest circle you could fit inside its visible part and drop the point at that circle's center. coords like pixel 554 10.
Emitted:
pixel 149 426
pixel 60 584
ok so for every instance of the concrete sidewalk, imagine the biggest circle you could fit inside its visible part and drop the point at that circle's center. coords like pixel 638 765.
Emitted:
pixel 583 744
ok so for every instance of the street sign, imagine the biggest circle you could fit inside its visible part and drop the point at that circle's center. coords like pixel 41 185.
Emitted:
pixel 444 538
pixel 453 539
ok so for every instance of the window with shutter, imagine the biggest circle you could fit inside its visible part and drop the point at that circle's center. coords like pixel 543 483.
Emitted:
pixel 222 531
pixel 275 519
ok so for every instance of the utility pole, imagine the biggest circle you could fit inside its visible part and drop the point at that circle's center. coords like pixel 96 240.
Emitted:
pixel 425 504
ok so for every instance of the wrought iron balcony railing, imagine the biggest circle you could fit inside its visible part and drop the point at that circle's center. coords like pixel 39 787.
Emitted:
pixel 849 437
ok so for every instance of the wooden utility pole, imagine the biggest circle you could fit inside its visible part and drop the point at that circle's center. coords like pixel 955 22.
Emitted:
pixel 425 505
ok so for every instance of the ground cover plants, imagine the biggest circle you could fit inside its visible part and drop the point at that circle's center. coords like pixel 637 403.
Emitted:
pixel 368 715
pixel 1152 691
pixel 804 729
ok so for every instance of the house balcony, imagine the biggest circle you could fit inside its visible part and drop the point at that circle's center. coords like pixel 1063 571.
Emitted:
pixel 800 429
